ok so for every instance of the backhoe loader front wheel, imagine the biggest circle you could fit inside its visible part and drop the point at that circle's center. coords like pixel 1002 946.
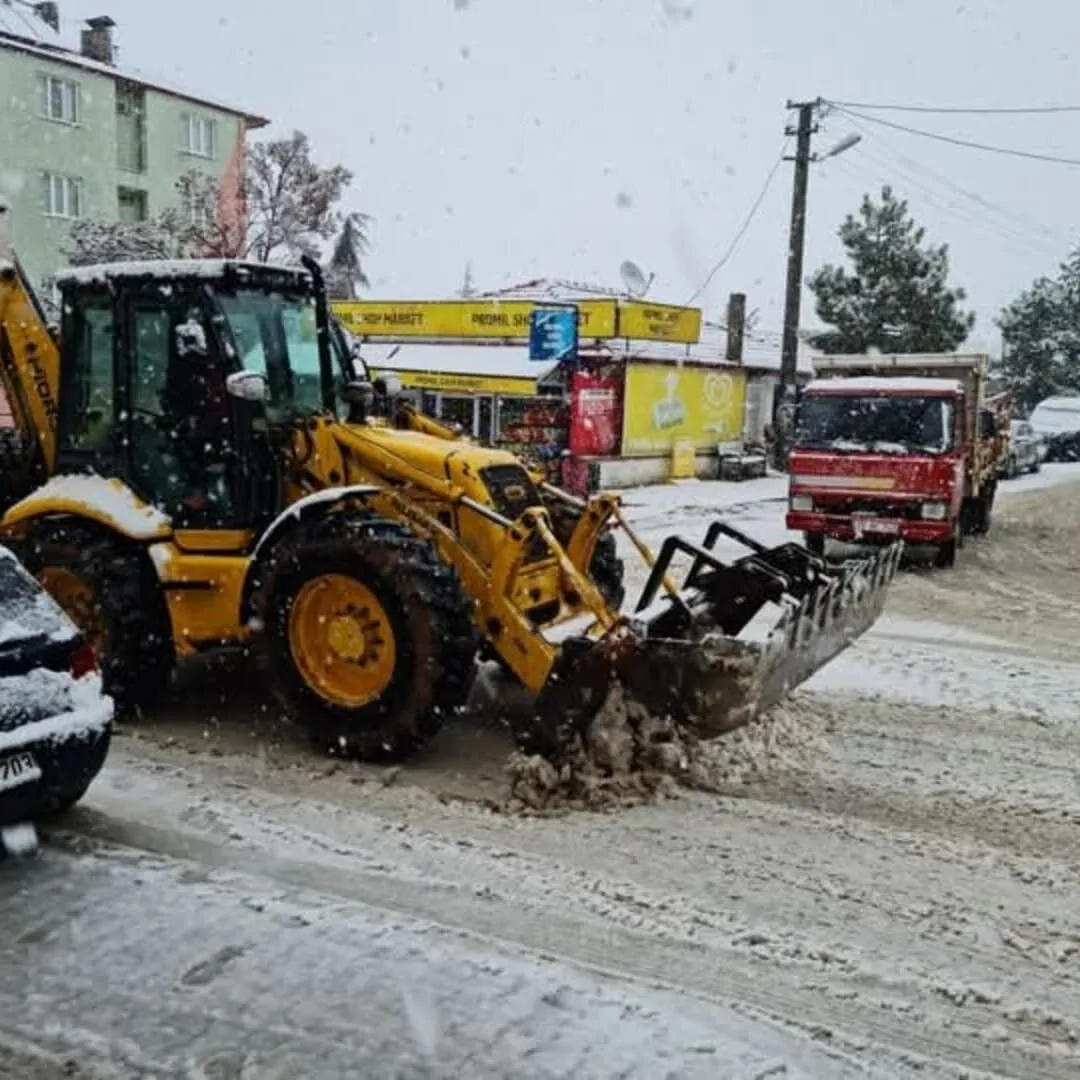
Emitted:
pixel 368 636
pixel 109 589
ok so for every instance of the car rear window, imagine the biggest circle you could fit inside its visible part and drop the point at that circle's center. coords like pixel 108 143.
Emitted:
pixel 27 612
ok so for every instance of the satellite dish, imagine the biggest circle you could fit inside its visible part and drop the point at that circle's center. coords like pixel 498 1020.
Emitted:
pixel 634 279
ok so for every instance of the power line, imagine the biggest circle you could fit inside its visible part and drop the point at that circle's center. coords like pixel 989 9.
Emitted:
pixel 1015 222
pixel 967 143
pixel 742 231
pixel 862 166
pixel 945 110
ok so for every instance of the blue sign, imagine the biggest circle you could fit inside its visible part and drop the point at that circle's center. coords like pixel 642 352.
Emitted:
pixel 553 334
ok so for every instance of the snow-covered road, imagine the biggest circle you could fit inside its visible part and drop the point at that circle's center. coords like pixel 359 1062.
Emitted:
pixel 132 965
pixel 888 870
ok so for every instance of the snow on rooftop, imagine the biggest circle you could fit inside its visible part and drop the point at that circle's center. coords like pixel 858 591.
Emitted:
pixel 21 29
pixel 887 384
pixel 20 21
pixel 498 361
pixel 761 349
pixel 169 268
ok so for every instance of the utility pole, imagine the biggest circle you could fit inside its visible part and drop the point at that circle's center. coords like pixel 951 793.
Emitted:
pixel 784 405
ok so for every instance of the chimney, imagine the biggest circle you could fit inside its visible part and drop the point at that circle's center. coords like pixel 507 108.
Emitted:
pixel 97 41
pixel 49 12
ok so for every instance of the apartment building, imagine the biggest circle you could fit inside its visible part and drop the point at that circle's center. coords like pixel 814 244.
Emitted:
pixel 83 137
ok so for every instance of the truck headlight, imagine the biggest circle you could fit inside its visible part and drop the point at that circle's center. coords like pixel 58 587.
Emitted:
pixel 802 503
pixel 935 511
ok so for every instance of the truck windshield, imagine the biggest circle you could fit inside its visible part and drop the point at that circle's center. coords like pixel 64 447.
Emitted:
pixel 849 423
pixel 276 335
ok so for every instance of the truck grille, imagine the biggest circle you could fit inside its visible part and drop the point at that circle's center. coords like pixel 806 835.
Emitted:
pixel 910 511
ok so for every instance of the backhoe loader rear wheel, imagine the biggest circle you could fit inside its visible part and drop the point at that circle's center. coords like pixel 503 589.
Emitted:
pixel 368 636
pixel 606 568
pixel 109 589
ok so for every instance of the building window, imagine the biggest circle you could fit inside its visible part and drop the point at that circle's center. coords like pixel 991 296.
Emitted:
pixel 131 205
pixel 58 99
pixel 131 128
pixel 62 196
pixel 198 135
pixel 198 210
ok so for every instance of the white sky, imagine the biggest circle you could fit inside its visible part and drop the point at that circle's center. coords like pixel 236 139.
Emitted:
pixel 559 137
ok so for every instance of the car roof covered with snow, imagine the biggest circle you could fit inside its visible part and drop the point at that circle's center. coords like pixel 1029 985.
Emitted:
pixel 182 269
pixel 892 384
pixel 1057 415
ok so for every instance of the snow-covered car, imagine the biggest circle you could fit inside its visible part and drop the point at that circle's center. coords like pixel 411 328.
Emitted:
pixel 55 722
pixel 1025 450
pixel 1057 422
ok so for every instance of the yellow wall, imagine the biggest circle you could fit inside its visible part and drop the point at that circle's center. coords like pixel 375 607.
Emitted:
pixel 665 402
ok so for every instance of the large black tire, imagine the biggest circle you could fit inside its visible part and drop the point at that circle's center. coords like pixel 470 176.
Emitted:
pixel 124 616
pixel 606 569
pixel 423 606
pixel 985 513
pixel 17 473
pixel 945 556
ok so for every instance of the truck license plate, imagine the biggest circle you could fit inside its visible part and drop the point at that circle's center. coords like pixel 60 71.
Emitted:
pixel 876 525
pixel 18 769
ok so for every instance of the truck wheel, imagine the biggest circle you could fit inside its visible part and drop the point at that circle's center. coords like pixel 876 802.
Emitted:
pixel 815 544
pixel 110 591
pixel 1036 465
pixel 368 637
pixel 945 556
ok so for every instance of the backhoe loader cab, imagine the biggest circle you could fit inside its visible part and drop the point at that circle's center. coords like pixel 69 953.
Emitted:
pixel 216 467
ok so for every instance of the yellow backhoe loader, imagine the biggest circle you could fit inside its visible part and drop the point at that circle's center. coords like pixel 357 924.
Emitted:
pixel 201 462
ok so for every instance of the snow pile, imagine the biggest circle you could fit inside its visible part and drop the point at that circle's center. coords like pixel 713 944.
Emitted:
pixel 19 839
pixel 109 499
pixel 629 757
pixel 51 706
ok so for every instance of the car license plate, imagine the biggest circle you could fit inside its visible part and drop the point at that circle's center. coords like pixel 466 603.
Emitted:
pixel 18 769
pixel 876 525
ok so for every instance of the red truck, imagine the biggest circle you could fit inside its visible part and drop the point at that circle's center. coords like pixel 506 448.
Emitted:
pixel 890 447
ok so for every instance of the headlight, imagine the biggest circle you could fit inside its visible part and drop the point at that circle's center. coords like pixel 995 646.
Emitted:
pixel 802 503
pixel 936 511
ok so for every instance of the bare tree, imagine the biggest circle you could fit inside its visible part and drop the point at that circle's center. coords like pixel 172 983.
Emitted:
pixel 92 241
pixel 291 202
pixel 292 208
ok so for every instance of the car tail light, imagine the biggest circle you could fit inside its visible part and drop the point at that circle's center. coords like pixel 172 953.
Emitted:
pixel 83 662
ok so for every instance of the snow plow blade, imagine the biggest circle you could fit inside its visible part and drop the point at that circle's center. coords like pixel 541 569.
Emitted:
pixel 681 658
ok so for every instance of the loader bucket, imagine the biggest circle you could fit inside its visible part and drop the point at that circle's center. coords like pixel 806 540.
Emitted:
pixel 683 659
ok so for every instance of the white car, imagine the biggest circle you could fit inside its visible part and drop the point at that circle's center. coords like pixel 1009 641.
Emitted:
pixel 1026 450
pixel 1056 420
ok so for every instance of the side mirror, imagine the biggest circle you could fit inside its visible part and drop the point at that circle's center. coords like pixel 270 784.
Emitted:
pixel 389 385
pixel 988 425
pixel 358 393
pixel 248 386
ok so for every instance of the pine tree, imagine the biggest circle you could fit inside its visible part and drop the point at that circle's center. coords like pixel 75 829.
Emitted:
pixel 345 272
pixel 467 288
pixel 896 297
pixel 1040 331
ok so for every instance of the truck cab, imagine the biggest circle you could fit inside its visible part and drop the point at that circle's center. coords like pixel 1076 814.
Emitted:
pixel 881 457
